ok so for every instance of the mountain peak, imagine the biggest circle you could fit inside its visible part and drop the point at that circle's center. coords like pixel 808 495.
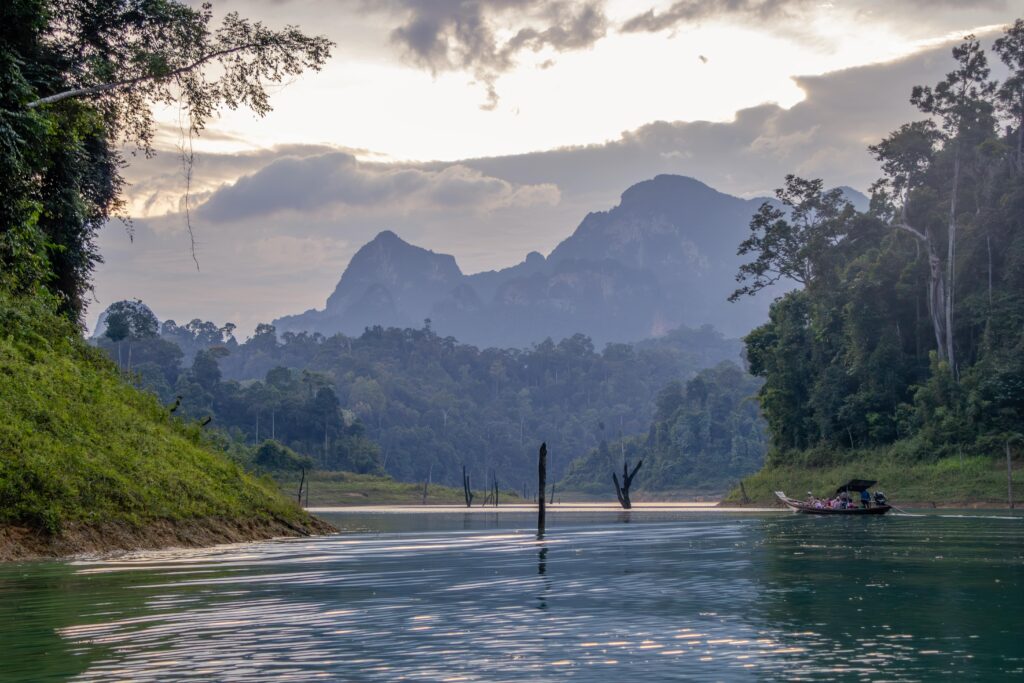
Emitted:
pixel 388 237
pixel 671 187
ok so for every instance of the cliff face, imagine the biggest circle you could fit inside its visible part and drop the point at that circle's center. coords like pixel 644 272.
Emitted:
pixel 664 257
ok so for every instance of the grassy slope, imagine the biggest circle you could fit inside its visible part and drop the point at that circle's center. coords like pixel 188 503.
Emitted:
pixel 944 482
pixel 78 445
pixel 346 488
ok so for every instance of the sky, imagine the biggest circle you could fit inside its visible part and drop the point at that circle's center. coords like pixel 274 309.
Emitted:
pixel 489 128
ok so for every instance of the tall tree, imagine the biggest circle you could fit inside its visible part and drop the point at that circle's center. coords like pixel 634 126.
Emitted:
pixel 791 242
pixel 962 101
pixel 1010 48
pixel 905 156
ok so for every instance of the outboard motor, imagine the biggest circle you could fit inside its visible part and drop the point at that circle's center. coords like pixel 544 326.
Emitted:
pixel 880 498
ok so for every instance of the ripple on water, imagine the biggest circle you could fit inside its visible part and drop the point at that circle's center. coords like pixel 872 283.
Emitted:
pixel 689 597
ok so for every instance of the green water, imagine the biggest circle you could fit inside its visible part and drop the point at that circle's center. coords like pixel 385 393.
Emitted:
pixel 605 597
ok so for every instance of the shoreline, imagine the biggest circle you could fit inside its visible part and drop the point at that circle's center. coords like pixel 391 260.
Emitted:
pixel 22 544
pixel 911 505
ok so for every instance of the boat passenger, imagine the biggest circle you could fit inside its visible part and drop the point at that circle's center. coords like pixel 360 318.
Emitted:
pixel 865 499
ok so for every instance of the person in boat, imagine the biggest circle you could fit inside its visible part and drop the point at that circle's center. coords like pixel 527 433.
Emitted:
pixel 865 499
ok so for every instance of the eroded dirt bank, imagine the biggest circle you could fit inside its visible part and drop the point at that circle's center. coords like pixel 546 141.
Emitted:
pixel 21 543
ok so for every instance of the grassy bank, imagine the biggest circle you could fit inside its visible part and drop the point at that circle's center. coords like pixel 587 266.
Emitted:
pixel 80 449
pixel 947 482
pixel 345 488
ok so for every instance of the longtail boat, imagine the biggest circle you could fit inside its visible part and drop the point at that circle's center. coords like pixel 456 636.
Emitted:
pixel 878 505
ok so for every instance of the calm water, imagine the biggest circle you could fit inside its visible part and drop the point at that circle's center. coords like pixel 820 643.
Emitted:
pixel 606 597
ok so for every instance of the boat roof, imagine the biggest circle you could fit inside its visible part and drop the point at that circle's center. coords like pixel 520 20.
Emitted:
pixel 856 485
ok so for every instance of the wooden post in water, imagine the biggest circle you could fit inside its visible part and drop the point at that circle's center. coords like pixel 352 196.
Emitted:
pixel 1010 473
pixel 467 491
pixel 542 485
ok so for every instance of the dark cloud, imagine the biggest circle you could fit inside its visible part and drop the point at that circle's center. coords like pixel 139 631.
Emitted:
pixel 788 12
pixel 336 179
pixel 446 35
pixel 686 11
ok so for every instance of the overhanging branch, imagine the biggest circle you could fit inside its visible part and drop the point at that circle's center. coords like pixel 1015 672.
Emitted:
pixel 130 82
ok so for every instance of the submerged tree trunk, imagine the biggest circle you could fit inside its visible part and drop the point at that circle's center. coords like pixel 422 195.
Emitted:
pixel 622 491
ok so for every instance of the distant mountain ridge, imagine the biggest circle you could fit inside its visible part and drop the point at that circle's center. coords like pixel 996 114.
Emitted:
pixel 664 257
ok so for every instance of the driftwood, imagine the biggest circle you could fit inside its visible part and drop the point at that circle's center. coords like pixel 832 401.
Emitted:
pixel 466 490
pixel 622 491
pixel 542 485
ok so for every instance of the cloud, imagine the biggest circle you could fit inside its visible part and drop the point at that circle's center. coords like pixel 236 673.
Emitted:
pixel 276 241
pixel 792 13
pixel 336 180
pixel 686 11
pixel 484 37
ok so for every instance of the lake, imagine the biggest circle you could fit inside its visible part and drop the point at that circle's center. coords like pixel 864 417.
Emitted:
pixel 655 594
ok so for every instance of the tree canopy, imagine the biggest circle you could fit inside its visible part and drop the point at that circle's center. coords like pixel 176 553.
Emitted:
pixel 910 330
pixel 78 78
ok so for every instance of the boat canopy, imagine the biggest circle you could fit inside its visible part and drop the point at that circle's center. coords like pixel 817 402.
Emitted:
pixel 856 485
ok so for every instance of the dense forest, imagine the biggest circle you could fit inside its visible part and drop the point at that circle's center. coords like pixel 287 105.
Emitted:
pixel 407 401
pixel 706 434
pixel 908 330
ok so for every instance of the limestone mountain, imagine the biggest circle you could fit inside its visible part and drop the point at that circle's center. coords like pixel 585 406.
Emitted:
pixel 664 257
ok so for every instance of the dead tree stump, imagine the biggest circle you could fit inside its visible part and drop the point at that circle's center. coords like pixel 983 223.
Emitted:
pixel 622 492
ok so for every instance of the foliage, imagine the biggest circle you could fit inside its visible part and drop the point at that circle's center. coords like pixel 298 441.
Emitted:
pixel 129 320
pixel 953 481
pixel 272 456
pixel 349 488
pixel 77 79
pixel 706 434
pixel 414 404
pixel 911 329
pixel 79 444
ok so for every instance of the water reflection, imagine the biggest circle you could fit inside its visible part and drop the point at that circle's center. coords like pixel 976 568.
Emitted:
pixel 477 597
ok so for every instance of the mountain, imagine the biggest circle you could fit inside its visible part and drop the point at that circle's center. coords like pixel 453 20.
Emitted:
pixel 388 282
pixel 664 257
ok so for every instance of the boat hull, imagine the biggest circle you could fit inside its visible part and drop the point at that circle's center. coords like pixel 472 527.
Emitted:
pixel 804 508
pixel 877 510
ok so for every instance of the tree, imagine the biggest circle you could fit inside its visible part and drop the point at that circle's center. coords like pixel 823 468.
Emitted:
pixel 789 243
pixel 273 456
pixel 78 79
pixel 906 155
pixel 961 102
pixel 1010 48
pixel 131 320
